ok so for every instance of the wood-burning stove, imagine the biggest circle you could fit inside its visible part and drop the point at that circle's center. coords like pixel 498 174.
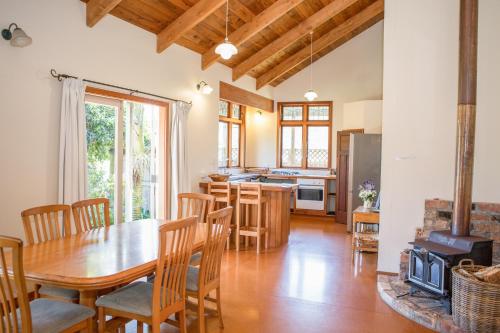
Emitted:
pixel 431 260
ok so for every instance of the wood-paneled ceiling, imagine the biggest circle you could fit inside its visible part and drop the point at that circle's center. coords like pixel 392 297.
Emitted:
pixel 272 36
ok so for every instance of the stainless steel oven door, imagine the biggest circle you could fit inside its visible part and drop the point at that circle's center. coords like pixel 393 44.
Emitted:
pixel 310 197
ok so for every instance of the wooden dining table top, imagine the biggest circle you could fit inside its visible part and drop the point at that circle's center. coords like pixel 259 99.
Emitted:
pixel 99 258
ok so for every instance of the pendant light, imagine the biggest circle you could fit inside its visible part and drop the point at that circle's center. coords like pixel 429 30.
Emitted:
pixel 227 49
pixel 311 95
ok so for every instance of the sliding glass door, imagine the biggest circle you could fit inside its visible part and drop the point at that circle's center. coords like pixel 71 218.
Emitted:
pixel 126 154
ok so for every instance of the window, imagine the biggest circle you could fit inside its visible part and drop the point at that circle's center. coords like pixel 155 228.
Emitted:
pixel 231 134
pixel 305 135
pixel 126 156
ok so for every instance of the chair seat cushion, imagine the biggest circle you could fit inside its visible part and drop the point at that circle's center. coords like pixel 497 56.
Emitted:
pixel 49 316
pixel 134 298
pixel 192 278
pixel 59 292
pixel 195 259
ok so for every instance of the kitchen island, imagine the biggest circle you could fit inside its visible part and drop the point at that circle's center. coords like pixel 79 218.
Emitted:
pixel 279 197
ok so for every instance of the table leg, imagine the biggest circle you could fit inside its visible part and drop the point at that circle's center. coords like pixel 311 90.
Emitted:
pixel 88 298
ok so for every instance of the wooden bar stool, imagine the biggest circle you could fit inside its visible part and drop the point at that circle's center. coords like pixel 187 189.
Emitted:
pixel 249 194
pixel 223 198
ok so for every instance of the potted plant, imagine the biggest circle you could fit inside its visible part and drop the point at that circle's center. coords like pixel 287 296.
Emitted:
pixel 367 193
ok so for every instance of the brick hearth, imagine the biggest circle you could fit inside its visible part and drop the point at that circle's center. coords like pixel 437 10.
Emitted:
pixel 485 221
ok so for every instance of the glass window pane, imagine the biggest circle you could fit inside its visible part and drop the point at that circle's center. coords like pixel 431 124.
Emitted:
pixel 222 149
pixel 235 145
pixel 292 113
pixel 291 146
pixel 101 122
pixel 235 111
pixel 317 147
pixel 141 161
pixel 223 108
pixel 318 112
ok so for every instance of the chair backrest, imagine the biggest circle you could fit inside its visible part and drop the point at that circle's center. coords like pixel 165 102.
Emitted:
pixel 249 191
pixel 195 204
pixel 91 214
pixel 220 190
pixel 218 231
pixel 176 240
pixel 13 292
pixel 42 224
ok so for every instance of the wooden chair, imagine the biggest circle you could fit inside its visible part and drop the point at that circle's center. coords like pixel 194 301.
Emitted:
pixel 249 194
pixel 39 315
pixel 223 197
pixel 45 221
pixel 205 278
pixel 43 224
pixel 91 214
pixel 153 303
pixel 195 204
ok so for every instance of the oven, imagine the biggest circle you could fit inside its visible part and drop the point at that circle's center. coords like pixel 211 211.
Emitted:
pixel 310 194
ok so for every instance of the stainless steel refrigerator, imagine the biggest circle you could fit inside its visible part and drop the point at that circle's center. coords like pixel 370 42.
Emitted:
pixel 365 153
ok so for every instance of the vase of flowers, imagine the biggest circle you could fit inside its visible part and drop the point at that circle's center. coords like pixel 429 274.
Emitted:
pixel 367 193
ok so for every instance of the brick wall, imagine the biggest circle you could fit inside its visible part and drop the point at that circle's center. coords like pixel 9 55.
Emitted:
pixel 485 221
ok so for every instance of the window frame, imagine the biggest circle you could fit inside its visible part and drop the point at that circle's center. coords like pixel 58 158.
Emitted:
pixel 305 123
pixel 114 98
pixel 230 121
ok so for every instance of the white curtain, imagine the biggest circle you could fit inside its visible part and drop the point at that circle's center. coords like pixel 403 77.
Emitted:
pixel 178 154
pixel 72 143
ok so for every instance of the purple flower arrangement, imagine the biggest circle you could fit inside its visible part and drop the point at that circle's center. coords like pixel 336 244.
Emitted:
pixel 367 193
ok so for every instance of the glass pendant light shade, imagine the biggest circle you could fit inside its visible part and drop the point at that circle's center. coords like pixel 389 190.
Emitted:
pixel 226 50
pixel 310 95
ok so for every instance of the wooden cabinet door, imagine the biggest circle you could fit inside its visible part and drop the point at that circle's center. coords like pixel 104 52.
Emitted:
pixel 343 144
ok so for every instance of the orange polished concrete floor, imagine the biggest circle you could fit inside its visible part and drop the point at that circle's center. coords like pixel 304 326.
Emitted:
pixel 311 285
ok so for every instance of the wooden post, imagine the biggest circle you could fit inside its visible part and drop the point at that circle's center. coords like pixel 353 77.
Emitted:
pixel 466 122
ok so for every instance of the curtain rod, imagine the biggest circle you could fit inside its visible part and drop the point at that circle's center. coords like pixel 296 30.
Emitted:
pixel 60 77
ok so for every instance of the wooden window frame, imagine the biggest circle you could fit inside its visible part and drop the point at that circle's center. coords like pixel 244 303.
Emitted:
pixel 230 121
pixel 164 130
pixel 305 123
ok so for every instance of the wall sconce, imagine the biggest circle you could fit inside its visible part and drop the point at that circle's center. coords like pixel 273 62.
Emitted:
pixel 18 37
pixel 204 88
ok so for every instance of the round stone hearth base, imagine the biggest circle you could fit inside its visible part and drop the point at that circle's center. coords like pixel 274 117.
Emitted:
pixel 422 309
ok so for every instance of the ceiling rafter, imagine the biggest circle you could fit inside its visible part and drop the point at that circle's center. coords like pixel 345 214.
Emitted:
pixel 187 21
pixel 97 9
pixel 333 36
pixel 300 30
pixel 250 29
pixel 242 11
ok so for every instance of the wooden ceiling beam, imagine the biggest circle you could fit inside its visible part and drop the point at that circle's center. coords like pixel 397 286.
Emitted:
pixel 250 29
pixel 300 30
pixel 187 21
pixel 323 42
pixel 242 11
pixel 97 9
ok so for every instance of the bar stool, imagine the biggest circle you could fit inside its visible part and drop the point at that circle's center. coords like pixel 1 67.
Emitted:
pixel 248 195
pixel 223 198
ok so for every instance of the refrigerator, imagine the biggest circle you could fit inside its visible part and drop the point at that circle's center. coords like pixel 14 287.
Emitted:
pixel 365 155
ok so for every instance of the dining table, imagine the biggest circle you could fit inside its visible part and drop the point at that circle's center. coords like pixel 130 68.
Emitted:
pixel 99 259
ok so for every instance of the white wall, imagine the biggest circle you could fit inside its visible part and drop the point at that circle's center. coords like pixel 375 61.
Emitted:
pixel 352 72
pixel 261 130
pixel 419 121
pixel 363 114
pixel 113 51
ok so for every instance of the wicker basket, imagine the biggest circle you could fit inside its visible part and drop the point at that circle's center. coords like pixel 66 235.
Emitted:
pixel 475 304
